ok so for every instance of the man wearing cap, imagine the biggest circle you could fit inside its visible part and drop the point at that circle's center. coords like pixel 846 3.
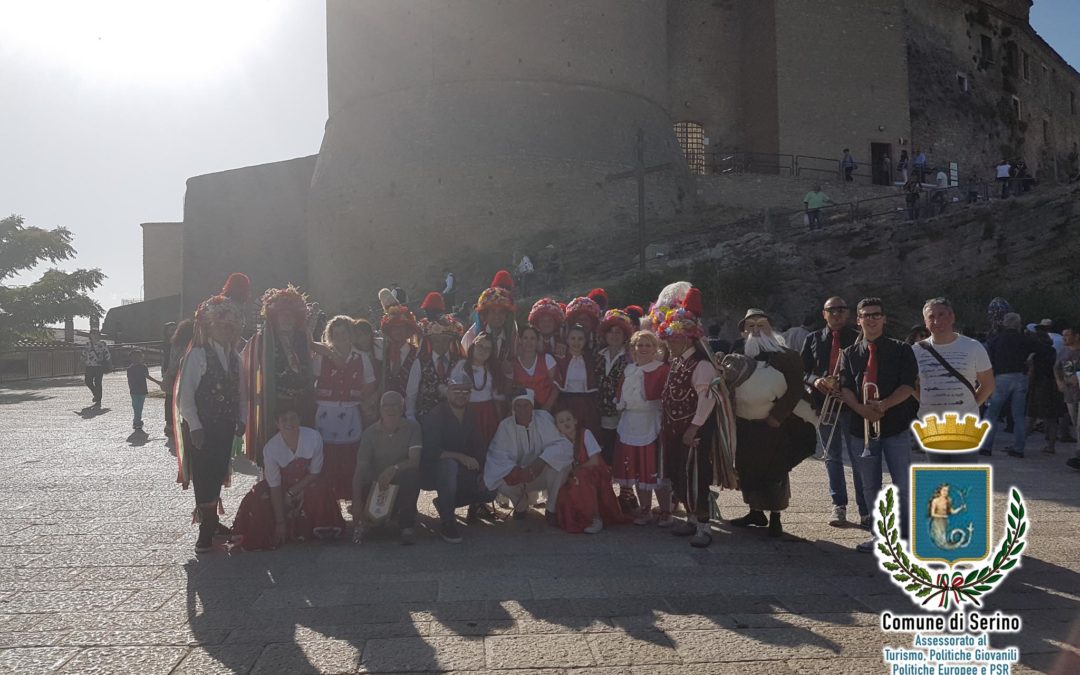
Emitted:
pixel 389 454
pixel 821 364
pixel 1010 354
pixel 525 457
pixel 453 457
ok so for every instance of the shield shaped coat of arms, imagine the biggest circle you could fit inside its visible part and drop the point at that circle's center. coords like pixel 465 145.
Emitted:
pixel 950 513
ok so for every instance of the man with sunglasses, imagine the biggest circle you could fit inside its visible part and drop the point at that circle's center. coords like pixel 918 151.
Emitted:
pixel 821 358
pixel 878 377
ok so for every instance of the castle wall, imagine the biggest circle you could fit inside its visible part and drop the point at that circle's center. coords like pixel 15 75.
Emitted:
pixel 163 259
pixel 841 77
pixel 459 128
pixel 979 126
pixel 758 81
pixel 704 43
pixel 247 220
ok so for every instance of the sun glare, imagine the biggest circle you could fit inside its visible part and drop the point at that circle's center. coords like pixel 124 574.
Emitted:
pixel 138 41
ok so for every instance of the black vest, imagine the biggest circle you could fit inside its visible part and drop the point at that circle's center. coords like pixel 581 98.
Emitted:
pixel 217 397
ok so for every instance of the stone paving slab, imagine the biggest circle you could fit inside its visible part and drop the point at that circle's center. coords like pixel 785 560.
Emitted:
pixel 97 575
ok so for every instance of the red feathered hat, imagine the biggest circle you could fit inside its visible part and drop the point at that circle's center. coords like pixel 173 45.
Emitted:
pixel 546 307
pixel 237 288
pixel 503 280
pixel 635 312
pixel 433 301
pixel 599 296
pixel 692 302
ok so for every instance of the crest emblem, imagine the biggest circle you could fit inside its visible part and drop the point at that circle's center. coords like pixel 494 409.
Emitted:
pixel 951 511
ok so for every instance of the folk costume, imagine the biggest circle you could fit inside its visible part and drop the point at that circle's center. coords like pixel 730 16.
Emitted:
pixel 398 354
pixel 637 452
pixel 772 432
pixel 537 376
pixel 277 368
pixel 609 372
pixel 576 379
pixel 499 296
pixel 339 389
pixel 207 399
pixel 312 513
pixel 551 342
pixel 513 452
pixel 588 487
pixel 430 372
pixel 686 400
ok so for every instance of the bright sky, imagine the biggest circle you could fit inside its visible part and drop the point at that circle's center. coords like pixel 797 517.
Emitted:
pixel 110 105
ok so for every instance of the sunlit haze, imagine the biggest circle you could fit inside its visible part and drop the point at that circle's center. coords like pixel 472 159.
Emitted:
pixel 111 105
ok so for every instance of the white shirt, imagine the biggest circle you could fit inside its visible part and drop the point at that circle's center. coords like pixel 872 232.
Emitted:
pixel 482 380
pixel 577 376
pixel 549 361
pixel 277 455
pixel 192 369
pixel 940 392
pixel 1003 170
pixel 514 445
pixel 795 337
pixel 640 420
pixel 449 284
pixel 96 354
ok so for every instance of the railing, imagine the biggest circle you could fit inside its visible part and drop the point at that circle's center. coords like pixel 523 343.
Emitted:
pixel 31 363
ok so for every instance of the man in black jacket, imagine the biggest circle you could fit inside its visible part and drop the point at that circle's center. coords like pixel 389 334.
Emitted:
pixel 821 359
pixel 1010 352
pixel 453 456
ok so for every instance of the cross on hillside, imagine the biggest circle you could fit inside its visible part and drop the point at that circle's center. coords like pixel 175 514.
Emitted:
pixel 639 172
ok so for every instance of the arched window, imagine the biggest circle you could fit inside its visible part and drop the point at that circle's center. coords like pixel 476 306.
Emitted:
pixel 691 136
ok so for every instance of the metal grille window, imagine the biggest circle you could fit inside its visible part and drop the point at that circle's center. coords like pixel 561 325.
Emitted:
pixel 691 136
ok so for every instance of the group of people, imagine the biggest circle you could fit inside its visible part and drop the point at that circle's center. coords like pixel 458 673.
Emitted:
pixel 582 410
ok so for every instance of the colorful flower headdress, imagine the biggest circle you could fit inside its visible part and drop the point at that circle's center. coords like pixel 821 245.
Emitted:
pixel 495 298
pixel 583 311
pixel 617 318
pixel 444 325
pixel 398 315
pixel 276 301
pixel 545 307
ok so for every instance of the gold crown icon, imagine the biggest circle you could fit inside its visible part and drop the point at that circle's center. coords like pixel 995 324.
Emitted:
pixel 949 433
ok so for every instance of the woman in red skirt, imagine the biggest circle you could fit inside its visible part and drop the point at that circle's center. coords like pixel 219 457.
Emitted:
pixel 534 370
pixel 344 378
pixel 637 451
pixel 586 501
pixel 486 397
pixel 575 376
pixel 290 502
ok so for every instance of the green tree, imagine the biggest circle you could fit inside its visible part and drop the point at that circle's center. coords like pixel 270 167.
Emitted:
pixel 25 311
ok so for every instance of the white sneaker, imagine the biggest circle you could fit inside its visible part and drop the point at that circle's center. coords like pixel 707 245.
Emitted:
pixel 839 518
pixel 596 526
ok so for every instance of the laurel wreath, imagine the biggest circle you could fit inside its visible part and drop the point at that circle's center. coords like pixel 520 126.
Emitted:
pixel 956 587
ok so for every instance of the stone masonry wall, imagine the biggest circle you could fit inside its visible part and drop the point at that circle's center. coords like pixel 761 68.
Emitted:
pixel 980 126
pixel 247 220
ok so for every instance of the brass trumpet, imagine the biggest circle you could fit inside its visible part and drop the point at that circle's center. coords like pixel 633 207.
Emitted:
pixel 870 429
pixel 831 408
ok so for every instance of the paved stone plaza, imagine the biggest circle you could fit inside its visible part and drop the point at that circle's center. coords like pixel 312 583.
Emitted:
pixel 98 574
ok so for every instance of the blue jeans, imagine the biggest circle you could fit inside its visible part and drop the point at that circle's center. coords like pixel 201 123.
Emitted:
pixel 896 451
pixel 137 401
pixel 834 465
pixel 1008 388
pixel 457 486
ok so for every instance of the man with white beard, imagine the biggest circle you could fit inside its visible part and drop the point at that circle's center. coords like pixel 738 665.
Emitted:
pixel 771 437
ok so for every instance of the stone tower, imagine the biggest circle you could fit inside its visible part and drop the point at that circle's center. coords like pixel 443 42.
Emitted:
pixel 461 128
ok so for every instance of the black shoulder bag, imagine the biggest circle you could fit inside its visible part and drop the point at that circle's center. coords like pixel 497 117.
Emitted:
pixel 948 366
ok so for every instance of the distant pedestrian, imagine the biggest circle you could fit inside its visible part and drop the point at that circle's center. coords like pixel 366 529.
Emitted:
pixel 98 361
pixel 902 166
pixel 796 336
pixel 886 169
pixel 450 290
pixel 848 165
pixel 525 270
pixel 920 165
pixel 1003 174
pixel 137 375
pixel 911 198
pixel 815 200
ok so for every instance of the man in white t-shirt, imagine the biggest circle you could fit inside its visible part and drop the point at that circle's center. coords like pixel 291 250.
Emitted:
pixel 941 391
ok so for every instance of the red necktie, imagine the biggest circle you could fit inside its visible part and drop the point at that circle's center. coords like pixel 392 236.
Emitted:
pixel 834 352
pixel 871 364
pixel 442 367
